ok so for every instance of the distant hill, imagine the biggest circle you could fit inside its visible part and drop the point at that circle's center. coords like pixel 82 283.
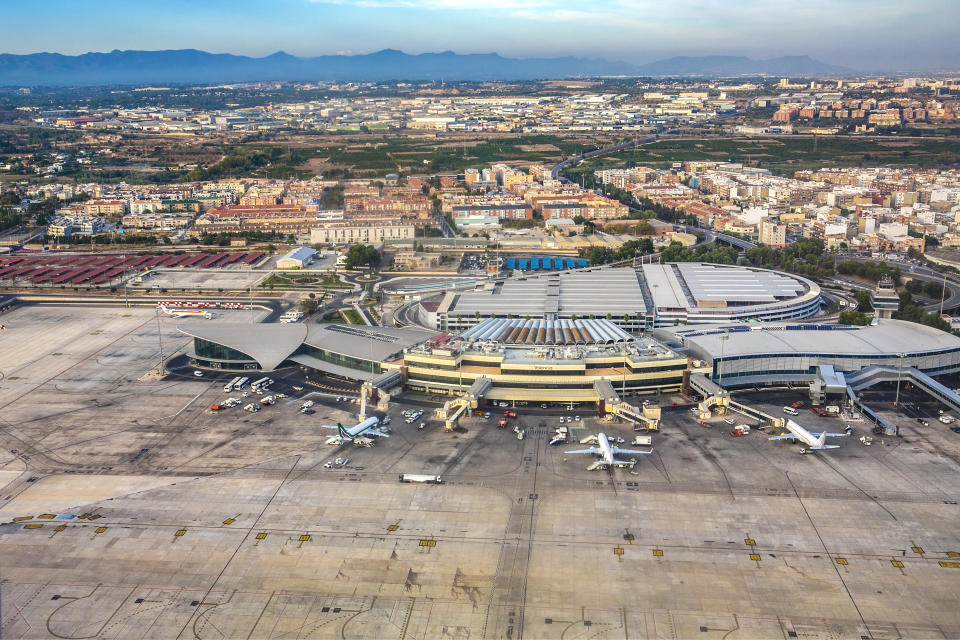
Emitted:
pixel 740 66
pixel 189 66
pixel 192 66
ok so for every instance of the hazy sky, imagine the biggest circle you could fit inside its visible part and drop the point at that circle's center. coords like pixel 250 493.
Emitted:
pixel 871 34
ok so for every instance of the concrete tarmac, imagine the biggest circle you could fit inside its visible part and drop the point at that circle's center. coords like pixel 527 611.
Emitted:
pixel 159 518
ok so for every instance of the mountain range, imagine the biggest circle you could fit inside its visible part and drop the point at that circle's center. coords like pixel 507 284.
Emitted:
pixel 191 66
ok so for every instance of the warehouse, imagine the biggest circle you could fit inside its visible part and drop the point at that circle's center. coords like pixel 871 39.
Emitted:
pixel 298 258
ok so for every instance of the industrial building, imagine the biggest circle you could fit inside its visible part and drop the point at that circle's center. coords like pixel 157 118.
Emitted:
pixel 654 296
pixel 297 258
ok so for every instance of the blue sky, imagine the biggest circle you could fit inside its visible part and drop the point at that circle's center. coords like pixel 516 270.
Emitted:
pixel 858 33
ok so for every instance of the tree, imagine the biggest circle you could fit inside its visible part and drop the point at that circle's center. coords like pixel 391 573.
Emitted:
pixel 864 301
pixel 856 318
pixel 362 255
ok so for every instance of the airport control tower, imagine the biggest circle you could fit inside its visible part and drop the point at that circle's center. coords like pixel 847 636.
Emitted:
pixel 885 298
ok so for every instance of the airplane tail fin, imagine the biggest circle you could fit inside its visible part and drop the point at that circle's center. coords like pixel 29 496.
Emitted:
pixel 342 432
pixel 822 439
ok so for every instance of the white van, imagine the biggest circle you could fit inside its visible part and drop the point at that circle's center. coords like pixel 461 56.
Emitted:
pixel 791 411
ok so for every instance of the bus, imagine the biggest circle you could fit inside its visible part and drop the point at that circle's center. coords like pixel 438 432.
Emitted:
pixel 230 386
pixel 240 383
pixel 262 383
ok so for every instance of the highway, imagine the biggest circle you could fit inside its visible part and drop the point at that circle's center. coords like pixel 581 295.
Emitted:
pixel 918 272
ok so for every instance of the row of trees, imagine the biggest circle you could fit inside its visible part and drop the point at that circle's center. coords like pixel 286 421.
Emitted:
pixel 872 271
pixel 627 251
pixel 804 257
pixel 913 312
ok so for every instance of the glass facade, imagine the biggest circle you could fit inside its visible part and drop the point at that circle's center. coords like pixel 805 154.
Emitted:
pixel 206 349
pixel 339 359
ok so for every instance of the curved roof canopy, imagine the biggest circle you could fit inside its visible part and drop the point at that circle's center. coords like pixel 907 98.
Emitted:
pixel 268 344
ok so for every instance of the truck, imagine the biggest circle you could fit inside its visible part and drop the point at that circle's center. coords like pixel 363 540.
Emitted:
pixel 832 410
pixel 420 477
pixel 946 418
pixel 268 400
pixel 740 430
pixel 502 423
pixel 643 440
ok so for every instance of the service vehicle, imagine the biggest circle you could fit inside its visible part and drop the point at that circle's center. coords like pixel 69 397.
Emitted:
pixel 502 423
pixel 199 374
pixel 643 440
pixel 230 386
pixel 509 414
pixel 791 411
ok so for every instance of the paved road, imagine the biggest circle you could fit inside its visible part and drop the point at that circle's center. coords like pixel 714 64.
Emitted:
pixel 918 272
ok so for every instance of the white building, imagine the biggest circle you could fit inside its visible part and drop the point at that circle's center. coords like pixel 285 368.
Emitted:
pixel 297 258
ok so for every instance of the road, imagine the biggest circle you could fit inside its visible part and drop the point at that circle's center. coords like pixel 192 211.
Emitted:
pixel 918 272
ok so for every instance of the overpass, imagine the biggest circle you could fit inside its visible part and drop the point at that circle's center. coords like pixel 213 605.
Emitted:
pixel 876 374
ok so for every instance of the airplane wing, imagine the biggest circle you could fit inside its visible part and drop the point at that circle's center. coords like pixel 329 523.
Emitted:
pixel 832 435
pixel 783 436
pixel 376 432
pixel 825 446
pixel 593 450
pixel 328 426
pixel 617 450
pixel 598 464
pixel 623 463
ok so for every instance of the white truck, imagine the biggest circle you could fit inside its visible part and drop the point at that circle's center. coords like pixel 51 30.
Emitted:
pixel 643 440
pixel 947 418
pixel 268 400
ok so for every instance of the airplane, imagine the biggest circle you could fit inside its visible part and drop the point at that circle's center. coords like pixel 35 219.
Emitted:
pixel 185 313
pixel 606 451
pixel 363 429
pixel 813 441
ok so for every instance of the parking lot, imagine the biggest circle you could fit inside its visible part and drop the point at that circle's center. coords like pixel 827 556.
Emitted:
pixel 168 519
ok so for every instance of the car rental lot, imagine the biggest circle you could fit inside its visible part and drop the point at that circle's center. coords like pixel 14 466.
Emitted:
pixel 168 519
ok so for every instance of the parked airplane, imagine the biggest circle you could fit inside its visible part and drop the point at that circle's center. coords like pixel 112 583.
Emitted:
pixel 606 451
pixel 813 441
pixel 183 313
pixel 365 429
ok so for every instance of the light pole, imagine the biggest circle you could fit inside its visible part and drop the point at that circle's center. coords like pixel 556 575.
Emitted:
pixel 159 338
pixel 943 293
pixel 896 401
pixel 723 344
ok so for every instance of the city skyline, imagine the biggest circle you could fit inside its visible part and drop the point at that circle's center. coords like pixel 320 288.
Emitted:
pixel 857 34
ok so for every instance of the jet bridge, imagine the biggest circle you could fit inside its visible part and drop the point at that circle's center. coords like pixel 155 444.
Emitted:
pixel 453 410
pixel 716 396
pixel 611 405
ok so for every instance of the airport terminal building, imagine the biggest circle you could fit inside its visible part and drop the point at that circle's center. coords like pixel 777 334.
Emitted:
pixel 656 295
pixel 746 355
pixel 525 360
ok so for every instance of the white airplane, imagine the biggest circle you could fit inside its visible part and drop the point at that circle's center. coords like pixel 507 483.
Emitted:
pixel 364 429
pixel 606 451
pixel 185 313
pixel 810 441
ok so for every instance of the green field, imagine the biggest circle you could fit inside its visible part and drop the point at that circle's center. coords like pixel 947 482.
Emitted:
pixel 787 154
